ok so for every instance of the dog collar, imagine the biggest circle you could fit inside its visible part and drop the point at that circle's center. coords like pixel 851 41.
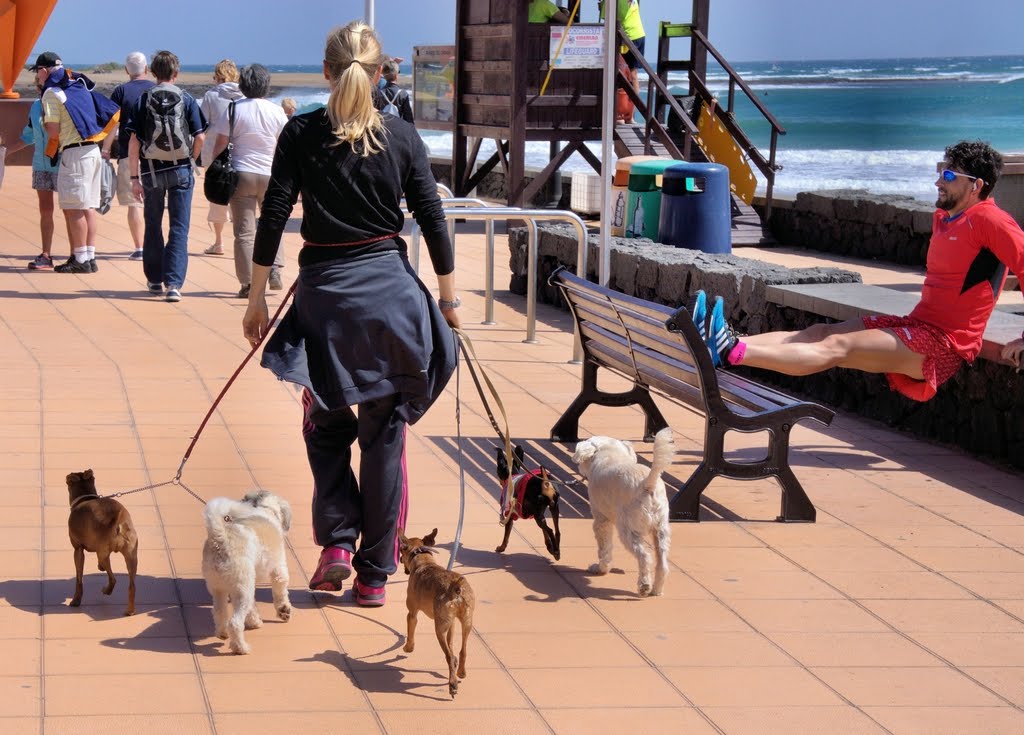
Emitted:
pixel 80 498
pixel 421 550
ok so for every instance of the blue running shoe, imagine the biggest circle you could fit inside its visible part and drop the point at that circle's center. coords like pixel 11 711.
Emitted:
pixel 721 337
pixel 698 308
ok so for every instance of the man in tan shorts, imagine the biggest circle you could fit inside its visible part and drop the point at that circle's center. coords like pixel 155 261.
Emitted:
pixel 125 96
pixel 66 105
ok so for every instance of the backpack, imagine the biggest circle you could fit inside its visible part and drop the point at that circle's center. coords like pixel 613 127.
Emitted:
pixel 391 108
pixel 167 136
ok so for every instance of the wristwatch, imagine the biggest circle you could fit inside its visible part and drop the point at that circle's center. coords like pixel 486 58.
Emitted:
pixel 444 304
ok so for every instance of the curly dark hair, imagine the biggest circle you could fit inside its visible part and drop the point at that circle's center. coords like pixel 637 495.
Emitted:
pixel 977 158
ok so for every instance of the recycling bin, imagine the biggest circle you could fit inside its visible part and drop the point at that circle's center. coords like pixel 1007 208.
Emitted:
pixel 643 206
pixel 696 207
pixel 620 191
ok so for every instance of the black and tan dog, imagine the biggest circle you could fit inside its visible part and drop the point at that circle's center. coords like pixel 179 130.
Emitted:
pixel 526 494
pixel 103 526
pixel 442 596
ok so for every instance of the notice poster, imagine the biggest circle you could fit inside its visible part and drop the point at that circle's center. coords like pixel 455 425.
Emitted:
pixel 433 86
pixel 583 47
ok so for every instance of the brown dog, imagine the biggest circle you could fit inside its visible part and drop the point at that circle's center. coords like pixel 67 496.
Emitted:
pixel 442 596
pixel 101 525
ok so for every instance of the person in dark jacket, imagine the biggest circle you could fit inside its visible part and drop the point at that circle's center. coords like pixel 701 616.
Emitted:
pixel 363 329
pixel 392 94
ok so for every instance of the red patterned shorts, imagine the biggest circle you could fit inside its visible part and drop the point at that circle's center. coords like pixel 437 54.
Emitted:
pixel 941 361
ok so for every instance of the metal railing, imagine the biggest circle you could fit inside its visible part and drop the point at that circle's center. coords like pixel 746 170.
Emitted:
pixel 531 217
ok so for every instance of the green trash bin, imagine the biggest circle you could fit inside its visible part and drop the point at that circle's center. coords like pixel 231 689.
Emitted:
pixel 643 206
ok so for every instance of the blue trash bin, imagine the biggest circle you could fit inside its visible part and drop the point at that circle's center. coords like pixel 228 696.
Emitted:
pixel 696 207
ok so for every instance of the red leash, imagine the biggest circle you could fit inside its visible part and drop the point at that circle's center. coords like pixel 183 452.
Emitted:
pixel 238 370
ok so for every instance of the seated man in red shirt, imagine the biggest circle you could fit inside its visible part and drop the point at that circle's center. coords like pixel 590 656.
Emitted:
pixel 973 243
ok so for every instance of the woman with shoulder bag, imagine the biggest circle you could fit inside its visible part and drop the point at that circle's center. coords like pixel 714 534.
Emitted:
pixel 253 137
pixel 214 105
pixel 363 330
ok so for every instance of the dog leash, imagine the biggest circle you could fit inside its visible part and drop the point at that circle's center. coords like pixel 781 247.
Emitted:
pixel 176 480
pixel 467 347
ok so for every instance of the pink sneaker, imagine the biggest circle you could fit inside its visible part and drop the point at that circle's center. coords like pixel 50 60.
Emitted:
pixel 368 596
pixel 334 567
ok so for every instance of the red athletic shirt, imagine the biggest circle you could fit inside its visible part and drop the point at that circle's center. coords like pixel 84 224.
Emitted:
pixel 968 258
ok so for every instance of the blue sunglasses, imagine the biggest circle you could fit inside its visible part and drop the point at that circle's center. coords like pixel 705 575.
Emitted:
pixel 950 175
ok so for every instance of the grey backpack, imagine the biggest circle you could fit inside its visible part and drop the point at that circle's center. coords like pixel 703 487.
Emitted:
pixel 166 136
pixel 108 185
pixel 391 108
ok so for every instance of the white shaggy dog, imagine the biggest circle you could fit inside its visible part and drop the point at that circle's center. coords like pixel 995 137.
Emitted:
pixel 632 498
pixel 245 543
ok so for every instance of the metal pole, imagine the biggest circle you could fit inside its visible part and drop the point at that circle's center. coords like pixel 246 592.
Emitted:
pixel 368 14
pixel 611 49
pixel 489 275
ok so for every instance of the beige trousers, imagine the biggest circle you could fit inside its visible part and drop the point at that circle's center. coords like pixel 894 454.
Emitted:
pixel 245 204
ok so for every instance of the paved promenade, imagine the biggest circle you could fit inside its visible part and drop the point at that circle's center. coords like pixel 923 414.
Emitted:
pixel 900 611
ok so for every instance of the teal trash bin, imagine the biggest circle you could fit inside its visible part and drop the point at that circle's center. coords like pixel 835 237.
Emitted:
pixel 643 206
pixel 696 207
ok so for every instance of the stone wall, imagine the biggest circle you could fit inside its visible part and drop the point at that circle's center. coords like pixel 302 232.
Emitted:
pixel 855 223
pixel 981 409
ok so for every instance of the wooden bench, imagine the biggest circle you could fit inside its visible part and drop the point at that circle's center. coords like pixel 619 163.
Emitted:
pixel 659 349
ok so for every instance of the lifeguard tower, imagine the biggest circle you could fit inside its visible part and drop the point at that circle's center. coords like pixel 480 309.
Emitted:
pixel 500 62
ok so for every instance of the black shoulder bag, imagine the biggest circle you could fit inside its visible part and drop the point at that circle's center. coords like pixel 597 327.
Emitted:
pixel 221 178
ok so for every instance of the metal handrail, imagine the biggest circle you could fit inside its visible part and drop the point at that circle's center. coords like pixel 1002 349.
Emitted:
pixel 531 216
pixel 453 202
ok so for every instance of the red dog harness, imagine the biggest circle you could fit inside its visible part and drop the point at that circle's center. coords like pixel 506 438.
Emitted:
pixel 512 503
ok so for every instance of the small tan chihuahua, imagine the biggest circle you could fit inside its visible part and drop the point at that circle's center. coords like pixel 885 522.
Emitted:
pixel 442 596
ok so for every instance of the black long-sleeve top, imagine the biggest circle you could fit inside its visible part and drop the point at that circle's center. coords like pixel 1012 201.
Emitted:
pixel 348 198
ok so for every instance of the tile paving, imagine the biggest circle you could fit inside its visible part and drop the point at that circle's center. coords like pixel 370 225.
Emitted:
pixel 900 611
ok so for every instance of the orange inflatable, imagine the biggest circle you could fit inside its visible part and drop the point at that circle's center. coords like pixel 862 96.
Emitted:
pixel 21 22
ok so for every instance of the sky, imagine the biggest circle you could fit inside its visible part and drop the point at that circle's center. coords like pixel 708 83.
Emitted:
pixel 275 32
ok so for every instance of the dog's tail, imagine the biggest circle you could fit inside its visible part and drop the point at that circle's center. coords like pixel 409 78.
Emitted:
pixel 223 511
pixel 664 451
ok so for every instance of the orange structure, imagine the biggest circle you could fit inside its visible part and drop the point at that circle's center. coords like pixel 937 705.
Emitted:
pixel 21 22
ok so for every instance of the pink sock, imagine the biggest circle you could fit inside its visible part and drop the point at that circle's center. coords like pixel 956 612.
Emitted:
pixel 736 354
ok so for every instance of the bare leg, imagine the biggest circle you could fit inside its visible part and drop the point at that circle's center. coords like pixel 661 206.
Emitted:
pixel 137 225
pixel 78 227
pixel 823 346
pixel 92 226
pixel 46 220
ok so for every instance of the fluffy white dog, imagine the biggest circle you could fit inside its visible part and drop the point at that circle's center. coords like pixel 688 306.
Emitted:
pixel 632 498
pixel 245 543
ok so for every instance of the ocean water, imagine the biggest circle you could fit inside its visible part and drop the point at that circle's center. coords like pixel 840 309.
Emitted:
pixel 875 124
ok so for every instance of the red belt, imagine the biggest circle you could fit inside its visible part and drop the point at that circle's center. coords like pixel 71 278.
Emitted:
pixel 307 243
